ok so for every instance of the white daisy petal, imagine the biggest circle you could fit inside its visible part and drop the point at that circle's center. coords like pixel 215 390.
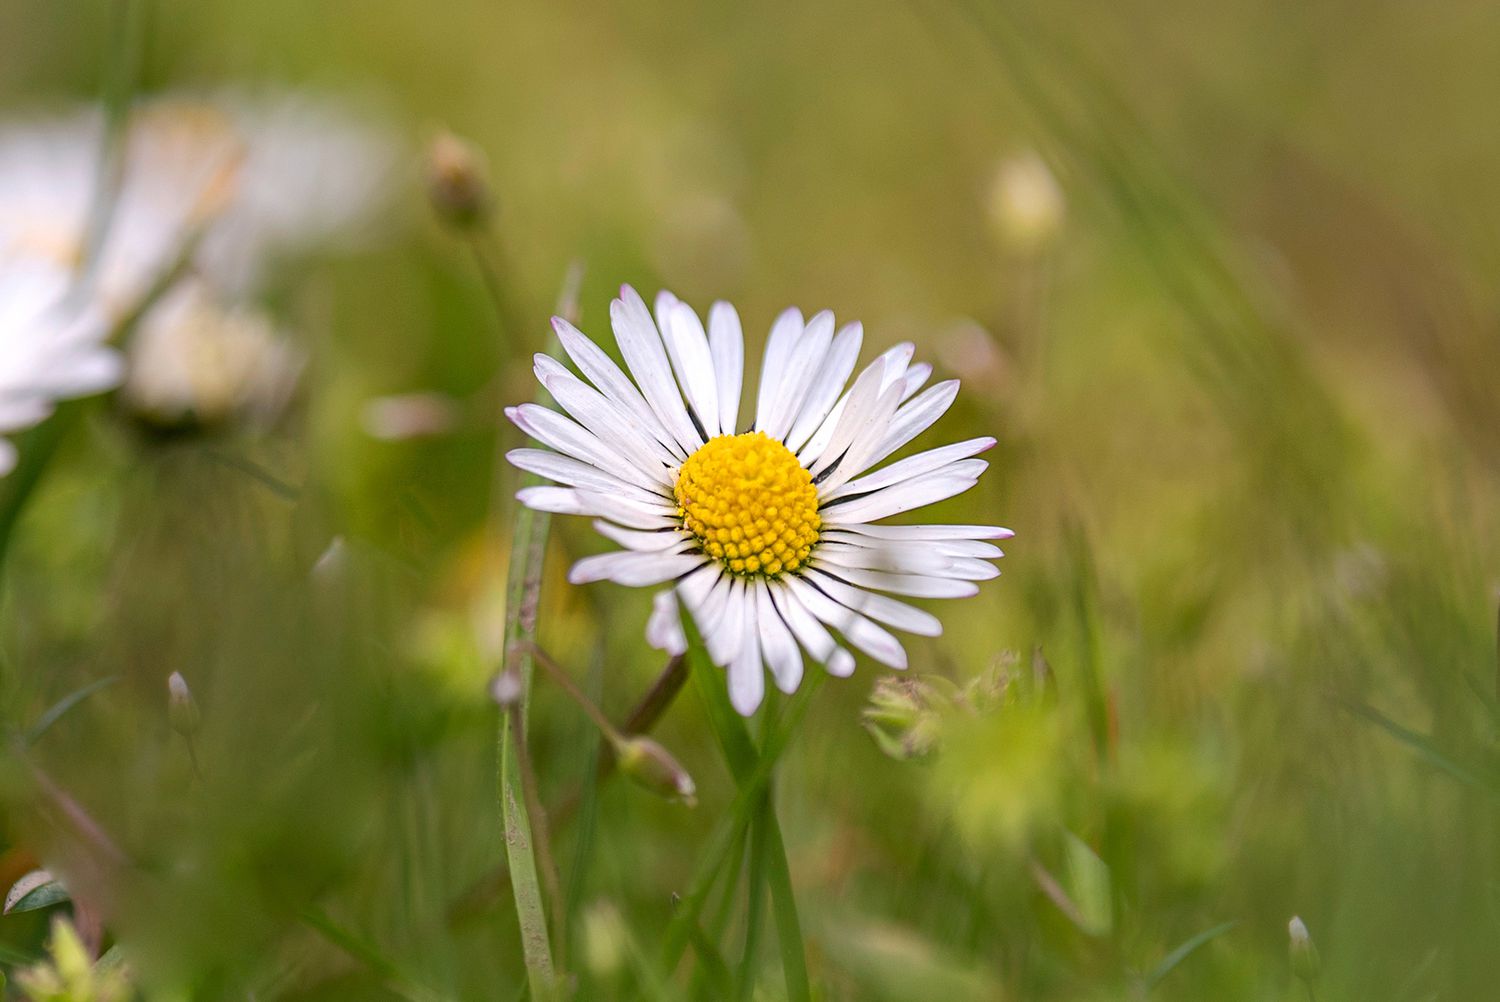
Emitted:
pixel 747 679
pixel 915 377
pixel 567 437
pixel 913 585
pixel 576 473
pixel 923 532
pixel 20 412
pixel 638 570
pixel 909 494
pixel 724 643
pixel 664 627
pixel 48 350
pixel 695 588
pixel 857 458
pixel 933 460
pixel 665 300
pixel 642 539
pixel 784 334
pixel 801 369
pixel 646 357
pixel 602 371
pixel 776 642
pixel 896 361
pixel 914 418
pixel 909 560
pixel 687 347
pixel 950 548
pixel 861 632
pixel 824 392
pixel 603 417
pixel 811 633
pixel 726 343
pixel 574 501
pixel 853 414
pixel 880 607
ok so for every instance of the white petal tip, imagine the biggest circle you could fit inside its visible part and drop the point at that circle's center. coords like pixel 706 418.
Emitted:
pixel 745 705
pixel 841 664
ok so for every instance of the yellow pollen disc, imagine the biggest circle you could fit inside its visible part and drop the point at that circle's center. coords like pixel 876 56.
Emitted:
pixel 752 506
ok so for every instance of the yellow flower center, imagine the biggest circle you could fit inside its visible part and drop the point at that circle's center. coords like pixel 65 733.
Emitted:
pixel 750 503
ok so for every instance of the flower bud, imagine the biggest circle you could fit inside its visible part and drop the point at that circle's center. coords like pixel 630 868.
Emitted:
pixel 1304 954
pixel 905 715
pixel 182 708
pixel 456 182
pixel 650 765
pixel 1026 204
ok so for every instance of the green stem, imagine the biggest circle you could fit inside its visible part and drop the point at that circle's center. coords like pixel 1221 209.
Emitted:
pixel 755 897
pixel 723 839
pixel 752 772
pixel 526 843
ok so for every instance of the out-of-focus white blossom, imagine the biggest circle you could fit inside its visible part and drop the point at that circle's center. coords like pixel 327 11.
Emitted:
pixel 252 177
pixel 50 349
pixel 196 361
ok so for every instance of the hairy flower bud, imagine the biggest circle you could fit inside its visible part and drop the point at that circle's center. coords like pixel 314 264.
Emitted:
pixel 457 185
pixel 182 708
pixel 905 714
pixel 650 765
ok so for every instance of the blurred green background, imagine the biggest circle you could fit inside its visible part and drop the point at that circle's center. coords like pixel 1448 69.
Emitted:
pixel 1242 363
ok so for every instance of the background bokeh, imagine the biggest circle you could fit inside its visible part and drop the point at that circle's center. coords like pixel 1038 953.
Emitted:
pixel 1242 362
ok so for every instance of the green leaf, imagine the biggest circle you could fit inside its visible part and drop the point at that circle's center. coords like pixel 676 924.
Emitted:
pixel 34 891
pixel 60 709
pixel 1089 886
pixel 1426 750
pixel 1183 951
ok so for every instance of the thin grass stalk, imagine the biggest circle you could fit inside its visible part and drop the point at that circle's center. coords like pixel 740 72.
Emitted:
pixel 526 844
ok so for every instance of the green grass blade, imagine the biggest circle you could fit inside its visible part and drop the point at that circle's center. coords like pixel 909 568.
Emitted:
pixel 769 850
pixel 1185 950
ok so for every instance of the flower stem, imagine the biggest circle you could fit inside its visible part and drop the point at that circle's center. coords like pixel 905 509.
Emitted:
pixel 755 897
pixel 752 772
pixel 526 843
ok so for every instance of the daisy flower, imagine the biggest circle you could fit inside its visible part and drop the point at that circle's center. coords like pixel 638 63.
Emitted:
pixel 197 362
pixel 261 176
pixel 771 535
pixel 49 351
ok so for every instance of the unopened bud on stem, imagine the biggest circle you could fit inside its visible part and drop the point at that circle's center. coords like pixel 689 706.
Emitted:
pixel 1304 954
pixel 457 184
pixel 182 708
pixel 646 763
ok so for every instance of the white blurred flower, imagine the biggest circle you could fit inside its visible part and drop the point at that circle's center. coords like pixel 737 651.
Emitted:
pixel 769 536
pixel 196 361
pixel 1026 204
pixel 49 349
pixel 261 176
